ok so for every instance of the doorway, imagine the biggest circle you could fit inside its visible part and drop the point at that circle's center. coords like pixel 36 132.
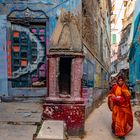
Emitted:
pixel 65 75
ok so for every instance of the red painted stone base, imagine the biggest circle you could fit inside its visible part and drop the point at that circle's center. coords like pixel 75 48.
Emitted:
pixel 72 114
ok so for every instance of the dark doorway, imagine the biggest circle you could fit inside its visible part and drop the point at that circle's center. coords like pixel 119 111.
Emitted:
pixel 65 75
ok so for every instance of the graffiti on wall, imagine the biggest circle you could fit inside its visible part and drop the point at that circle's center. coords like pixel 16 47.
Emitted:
pixel 26 59
pixel 88 81
pixel 88 75
pixel 28 48
pixel 28 54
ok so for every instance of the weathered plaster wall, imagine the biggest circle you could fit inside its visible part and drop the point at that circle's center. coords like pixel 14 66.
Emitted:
pixel 52 10
pixel 96 40
pixel 96 35
pixel 72 114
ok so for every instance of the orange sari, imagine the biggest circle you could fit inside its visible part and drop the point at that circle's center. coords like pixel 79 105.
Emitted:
pixel 119 104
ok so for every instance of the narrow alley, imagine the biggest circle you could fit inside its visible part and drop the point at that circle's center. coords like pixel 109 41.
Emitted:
pixel 58 61
pixel 98 126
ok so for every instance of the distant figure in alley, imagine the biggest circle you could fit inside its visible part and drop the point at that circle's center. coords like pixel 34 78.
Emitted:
pixel 119 104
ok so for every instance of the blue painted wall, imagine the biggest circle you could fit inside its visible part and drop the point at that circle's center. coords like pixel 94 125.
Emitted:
pixel 52 9
pixel 134 56
pixel 138 61
pixel 3 57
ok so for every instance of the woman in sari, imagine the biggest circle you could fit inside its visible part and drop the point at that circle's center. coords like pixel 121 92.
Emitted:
pixel 119 104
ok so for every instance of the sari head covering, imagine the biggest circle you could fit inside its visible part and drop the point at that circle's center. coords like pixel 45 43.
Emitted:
pixel 119 104
pixel 120 77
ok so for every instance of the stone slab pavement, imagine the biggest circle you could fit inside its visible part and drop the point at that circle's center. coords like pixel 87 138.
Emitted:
pixel 98 126
pixel 25 115
pixel 51 130
pixel 20 112
pixel 17 132
pixel 18 121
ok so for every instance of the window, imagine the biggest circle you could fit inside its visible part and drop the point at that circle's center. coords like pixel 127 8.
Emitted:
pixel 114 39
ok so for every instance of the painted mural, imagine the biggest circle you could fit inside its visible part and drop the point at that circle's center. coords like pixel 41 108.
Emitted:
pixel 88 75
pixel 30 25
pixel 88 81
pixel 26 28
pixel 28 48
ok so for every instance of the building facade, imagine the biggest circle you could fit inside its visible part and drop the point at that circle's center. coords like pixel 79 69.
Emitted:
pixel 116 27
pixel 96 45
pixel 58 48
pixel 121 20
pixel 27 28
pixel 134 55
pixel 78 64
pixel 123 50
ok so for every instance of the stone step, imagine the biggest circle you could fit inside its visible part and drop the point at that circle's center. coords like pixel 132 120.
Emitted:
pixel 52 130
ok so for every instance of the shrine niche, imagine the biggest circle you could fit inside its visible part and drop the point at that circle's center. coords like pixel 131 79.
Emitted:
pixel 29 40
pixel 65 70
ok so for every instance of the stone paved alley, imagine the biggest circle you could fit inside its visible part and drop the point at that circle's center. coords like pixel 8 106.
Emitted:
pixel 98 124
pixel 18 120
